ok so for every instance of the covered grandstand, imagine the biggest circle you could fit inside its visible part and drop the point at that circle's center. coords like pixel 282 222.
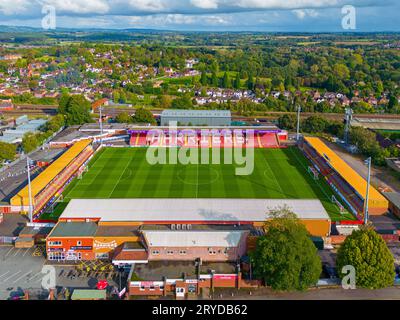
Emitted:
pixel 343 179
pixel 52 180
pixel 195 212
pixel 216 137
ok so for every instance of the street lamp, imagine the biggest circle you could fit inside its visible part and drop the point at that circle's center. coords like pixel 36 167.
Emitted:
pixel 298 123
pixel 101 126
pixel 368 163
pixel 30 210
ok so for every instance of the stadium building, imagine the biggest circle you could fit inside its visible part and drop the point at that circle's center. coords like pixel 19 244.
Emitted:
pixel 51 182
pixel 343 179
pixel 217 137
pixel 99 228
pixel 196 117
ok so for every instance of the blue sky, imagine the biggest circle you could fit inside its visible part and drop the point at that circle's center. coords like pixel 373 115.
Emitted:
pixel 208 15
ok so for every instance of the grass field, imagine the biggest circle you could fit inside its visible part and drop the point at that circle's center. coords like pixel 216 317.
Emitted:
pixel 125 173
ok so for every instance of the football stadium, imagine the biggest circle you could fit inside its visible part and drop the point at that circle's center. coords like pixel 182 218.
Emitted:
pixel 106 200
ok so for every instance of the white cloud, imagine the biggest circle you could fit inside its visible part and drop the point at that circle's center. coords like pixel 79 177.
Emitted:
pixel 79 6
pixel 205 4
pixel 301 14
pixel 13 7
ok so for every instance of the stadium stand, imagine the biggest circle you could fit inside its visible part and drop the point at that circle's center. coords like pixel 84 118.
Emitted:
pixel 216 139
pixel 54 178
pixel 344 180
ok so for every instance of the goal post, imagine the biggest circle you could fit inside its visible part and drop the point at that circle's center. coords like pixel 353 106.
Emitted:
pixel 313 172
pixel 340 206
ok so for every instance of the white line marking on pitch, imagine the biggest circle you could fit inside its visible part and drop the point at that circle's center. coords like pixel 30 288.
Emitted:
pixel 4 274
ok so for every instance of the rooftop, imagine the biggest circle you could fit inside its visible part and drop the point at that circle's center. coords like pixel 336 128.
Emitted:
pixel 156 270
pixel 348 173
pixel 189 210
pixel 196 113
pixel 116 231
pixel 192 238
pixel 393 197
pixel 74 229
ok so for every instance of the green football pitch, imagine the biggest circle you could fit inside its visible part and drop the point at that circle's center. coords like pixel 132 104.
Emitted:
pixel 125 173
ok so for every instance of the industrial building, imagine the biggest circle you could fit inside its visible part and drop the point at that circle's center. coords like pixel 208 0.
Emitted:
pixel 197 117
pixel 16 135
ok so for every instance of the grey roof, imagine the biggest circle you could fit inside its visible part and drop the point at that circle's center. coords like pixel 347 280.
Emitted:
pixel 196 113
pixel 193 238
pixel 74 229
pixel 189 210
pixel 393 197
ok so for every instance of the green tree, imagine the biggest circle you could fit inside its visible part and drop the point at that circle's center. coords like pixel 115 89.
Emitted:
pixel 367 252
pixel 314 124
pixel 76 110
pixel 123 117
pixel 250 82
pixel 143 115
pixel 225 81
pixel 184 102
pixel 287 121
pixel 285 257
pixel 237 81
pixel 7 151
pixel 30 142
pixel 203 79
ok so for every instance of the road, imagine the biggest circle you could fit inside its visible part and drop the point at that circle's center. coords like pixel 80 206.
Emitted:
pixel 13 178
pixel 379 176
pixel 392 293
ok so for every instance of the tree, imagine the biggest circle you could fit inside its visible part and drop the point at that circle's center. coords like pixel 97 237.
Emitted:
pixel 7 151
pixel 144 116
pixel 250 82
pixel 287 121
pixel 203 79
pixel 184 102
pixel 285 257
pixel 76 109
pixel 314 124
pixel 123 117
pixel 237 81
pixel 367 252
pixel 29 142
pixel 225 81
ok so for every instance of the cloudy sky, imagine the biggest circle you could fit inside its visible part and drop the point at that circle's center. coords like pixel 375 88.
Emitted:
pixel 216 15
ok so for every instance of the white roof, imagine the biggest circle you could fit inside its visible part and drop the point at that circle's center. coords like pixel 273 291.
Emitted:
pixel 187 210
pixel 193 238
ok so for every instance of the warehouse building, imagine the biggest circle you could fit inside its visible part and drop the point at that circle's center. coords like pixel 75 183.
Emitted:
pixel 197 117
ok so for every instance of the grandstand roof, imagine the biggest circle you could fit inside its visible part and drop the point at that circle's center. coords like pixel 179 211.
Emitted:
pixel 189 210
pixel 41 181
pixel 342 168
pixel 196 113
